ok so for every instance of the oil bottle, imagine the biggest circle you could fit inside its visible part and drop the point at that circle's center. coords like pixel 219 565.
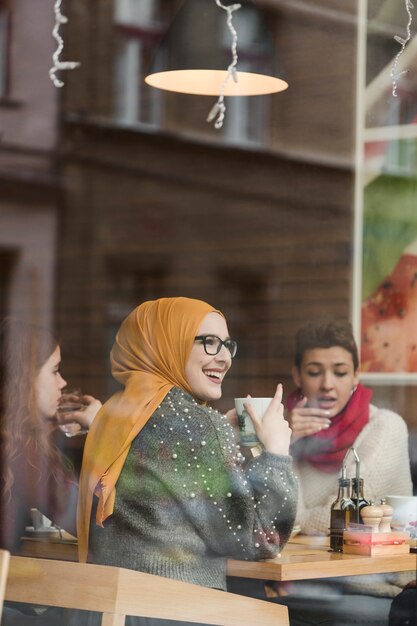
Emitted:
pixel 341 513
pixel 358 498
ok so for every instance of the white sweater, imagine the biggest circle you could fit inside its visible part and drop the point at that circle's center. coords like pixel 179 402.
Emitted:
pixel 382 447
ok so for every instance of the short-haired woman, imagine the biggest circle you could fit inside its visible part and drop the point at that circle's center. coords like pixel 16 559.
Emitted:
pixel 329 412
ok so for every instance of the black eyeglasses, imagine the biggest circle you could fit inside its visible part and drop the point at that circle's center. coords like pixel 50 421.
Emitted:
pixel 213 344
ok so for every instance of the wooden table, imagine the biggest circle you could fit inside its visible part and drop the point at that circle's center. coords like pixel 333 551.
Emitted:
pixel 309 557
pixel 304 558
pixel 49 548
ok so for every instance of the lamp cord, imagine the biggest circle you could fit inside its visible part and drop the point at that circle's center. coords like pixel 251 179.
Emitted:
pixel 59 65
pixel 403 42
pixel 219 109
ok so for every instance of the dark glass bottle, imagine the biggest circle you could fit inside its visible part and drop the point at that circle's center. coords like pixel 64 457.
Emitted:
pixel 341 513
pixel 358 498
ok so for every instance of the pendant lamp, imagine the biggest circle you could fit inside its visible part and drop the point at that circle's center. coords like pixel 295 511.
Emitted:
pixel 195 54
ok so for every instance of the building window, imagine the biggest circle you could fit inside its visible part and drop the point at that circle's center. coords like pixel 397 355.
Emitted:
pixel 247 116
pixel 138 26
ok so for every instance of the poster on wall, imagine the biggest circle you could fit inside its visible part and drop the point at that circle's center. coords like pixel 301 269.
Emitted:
pixel 388 295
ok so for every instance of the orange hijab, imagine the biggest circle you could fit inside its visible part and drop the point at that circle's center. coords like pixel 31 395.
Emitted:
pixel 148 357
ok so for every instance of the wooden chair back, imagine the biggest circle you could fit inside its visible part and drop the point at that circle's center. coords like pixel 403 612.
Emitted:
pixel 117 592
pixel 4 570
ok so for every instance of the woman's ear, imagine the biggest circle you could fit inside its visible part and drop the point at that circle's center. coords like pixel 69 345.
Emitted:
pixel 296 376
pixel 356 378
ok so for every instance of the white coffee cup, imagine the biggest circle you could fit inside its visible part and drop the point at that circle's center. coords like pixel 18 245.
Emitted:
pixel 248 436
pixel 404 516
pixel 39 520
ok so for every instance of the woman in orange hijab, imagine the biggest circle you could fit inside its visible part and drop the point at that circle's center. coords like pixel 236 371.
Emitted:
pixel 162 487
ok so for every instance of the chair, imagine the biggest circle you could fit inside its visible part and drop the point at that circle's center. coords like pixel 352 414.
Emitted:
pixel 4 568
pixel 117 592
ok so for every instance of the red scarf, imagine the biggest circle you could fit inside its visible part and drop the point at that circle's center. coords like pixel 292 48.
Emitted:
pixel 326 449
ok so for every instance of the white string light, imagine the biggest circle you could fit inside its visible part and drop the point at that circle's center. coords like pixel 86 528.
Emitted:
pixel 59 65
pixel 403 42
pixel 219 108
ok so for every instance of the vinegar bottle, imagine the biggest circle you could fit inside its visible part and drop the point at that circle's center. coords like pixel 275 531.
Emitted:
pixel 341 513
pixel 358 498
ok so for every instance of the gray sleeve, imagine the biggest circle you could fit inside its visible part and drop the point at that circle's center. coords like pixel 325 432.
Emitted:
pixel 247 514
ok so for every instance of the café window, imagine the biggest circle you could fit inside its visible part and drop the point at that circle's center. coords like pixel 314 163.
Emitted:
pixel 138 25
pixel 385 260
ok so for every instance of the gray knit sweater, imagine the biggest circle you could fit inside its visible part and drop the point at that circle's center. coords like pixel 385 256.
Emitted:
pixel 184 503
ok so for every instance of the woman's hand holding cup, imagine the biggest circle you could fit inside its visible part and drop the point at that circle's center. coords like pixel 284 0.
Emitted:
pixel 271 428
pixel 76 412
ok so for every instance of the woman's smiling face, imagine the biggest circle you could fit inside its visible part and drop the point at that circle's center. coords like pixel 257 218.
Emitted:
pixel 203 372
pixel 327 377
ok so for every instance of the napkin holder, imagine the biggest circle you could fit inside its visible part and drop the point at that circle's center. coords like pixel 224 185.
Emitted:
pixel 362 539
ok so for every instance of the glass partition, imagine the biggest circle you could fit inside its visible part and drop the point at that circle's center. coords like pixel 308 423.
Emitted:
pixel 301 208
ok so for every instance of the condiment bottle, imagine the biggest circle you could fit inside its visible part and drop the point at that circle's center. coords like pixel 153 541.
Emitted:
pixel 387 511
pixel 341 513
pixel 372 516
pixel 358 497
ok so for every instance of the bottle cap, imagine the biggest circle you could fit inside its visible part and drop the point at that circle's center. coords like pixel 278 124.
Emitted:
pixel 344 482
pixel 387 509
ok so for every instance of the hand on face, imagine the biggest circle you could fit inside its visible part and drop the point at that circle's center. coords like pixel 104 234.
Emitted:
pixel 307 421
pixel 272 430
